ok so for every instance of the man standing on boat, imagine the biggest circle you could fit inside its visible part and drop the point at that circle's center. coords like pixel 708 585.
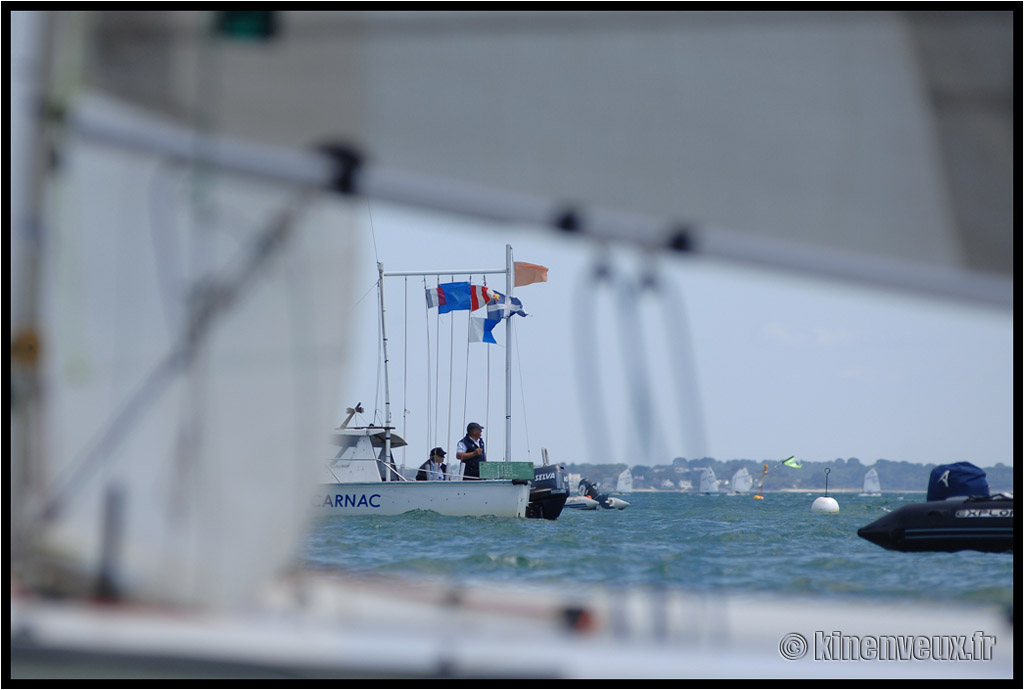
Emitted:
pixel 434 468
pixel 471 451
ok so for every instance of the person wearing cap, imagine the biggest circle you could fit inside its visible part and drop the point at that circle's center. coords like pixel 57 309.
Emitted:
pixel 471 451
pixel 434 468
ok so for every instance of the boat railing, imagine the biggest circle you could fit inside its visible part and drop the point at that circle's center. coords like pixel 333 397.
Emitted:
pixel 402 477
pixel 331 464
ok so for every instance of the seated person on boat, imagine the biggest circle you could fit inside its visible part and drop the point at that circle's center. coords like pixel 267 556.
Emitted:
pixel 434 468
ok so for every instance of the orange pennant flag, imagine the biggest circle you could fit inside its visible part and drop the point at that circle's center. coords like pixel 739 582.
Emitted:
pixel 530 273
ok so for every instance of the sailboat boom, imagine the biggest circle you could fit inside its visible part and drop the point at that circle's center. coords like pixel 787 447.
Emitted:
pixel 108 121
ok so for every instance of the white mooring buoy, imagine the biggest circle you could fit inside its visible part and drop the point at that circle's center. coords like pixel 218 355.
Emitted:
pixel 825 504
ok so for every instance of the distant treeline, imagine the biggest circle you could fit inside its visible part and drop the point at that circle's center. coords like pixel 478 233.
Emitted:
pixel 845 474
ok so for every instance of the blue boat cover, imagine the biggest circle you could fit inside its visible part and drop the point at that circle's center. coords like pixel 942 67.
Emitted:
pixel 958 479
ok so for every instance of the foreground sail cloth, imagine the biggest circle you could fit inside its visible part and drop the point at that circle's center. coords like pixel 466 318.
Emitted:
pixel 452 296
pixel 481 330
pixel 530 273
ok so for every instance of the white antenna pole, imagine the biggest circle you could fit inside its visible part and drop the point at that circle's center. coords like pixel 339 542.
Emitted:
pixel 509 272
pixel 509 281
pixel 387 385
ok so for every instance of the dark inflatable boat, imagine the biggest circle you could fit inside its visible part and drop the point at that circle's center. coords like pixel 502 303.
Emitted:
pixel 983 523
pixel 959 514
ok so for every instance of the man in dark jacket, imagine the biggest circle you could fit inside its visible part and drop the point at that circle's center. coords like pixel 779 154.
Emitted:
pixel 471 451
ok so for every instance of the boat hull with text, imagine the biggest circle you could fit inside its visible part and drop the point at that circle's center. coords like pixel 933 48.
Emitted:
pixel 978 524
pixel 359 481
pixel 497 497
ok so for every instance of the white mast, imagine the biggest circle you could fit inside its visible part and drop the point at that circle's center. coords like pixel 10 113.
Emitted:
pixel 387 384
pixel 509 272
pixel 509 281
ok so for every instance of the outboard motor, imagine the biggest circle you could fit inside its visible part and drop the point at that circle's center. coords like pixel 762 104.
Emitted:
pixel 589 489
pixel 548 492
pixel 957 479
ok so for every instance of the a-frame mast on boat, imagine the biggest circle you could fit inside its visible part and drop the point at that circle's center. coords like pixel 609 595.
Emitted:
pixel 509 272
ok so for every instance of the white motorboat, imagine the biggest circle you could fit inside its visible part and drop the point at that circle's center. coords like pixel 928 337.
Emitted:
pixel 359 482
pixel 362 479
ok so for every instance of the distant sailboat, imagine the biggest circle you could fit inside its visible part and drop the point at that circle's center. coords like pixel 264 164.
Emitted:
pixel 708 482
pixel 625 484
pixel 741 481
pixel 872 487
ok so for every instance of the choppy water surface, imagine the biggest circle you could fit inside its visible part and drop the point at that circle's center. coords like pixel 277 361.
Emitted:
pixel 726 544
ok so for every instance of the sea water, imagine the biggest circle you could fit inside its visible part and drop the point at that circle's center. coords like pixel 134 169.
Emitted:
pixel 725 544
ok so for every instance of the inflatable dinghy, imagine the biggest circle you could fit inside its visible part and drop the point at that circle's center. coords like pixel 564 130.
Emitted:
pixel 959 514
pixel 590 498
pixel 982 523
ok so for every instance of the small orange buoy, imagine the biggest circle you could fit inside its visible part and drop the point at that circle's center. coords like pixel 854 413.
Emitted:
pixel 759 496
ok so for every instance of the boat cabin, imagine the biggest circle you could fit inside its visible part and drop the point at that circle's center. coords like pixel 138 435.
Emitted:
pixel 360 456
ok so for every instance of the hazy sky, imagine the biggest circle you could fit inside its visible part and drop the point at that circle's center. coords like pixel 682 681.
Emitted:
pixel 783 365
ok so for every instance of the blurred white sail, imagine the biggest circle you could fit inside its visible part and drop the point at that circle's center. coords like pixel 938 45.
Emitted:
pixel 872 485
pixel 624 484
pixel 708 482
pixel 195 342
pixel 742 481
pixel 766 135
